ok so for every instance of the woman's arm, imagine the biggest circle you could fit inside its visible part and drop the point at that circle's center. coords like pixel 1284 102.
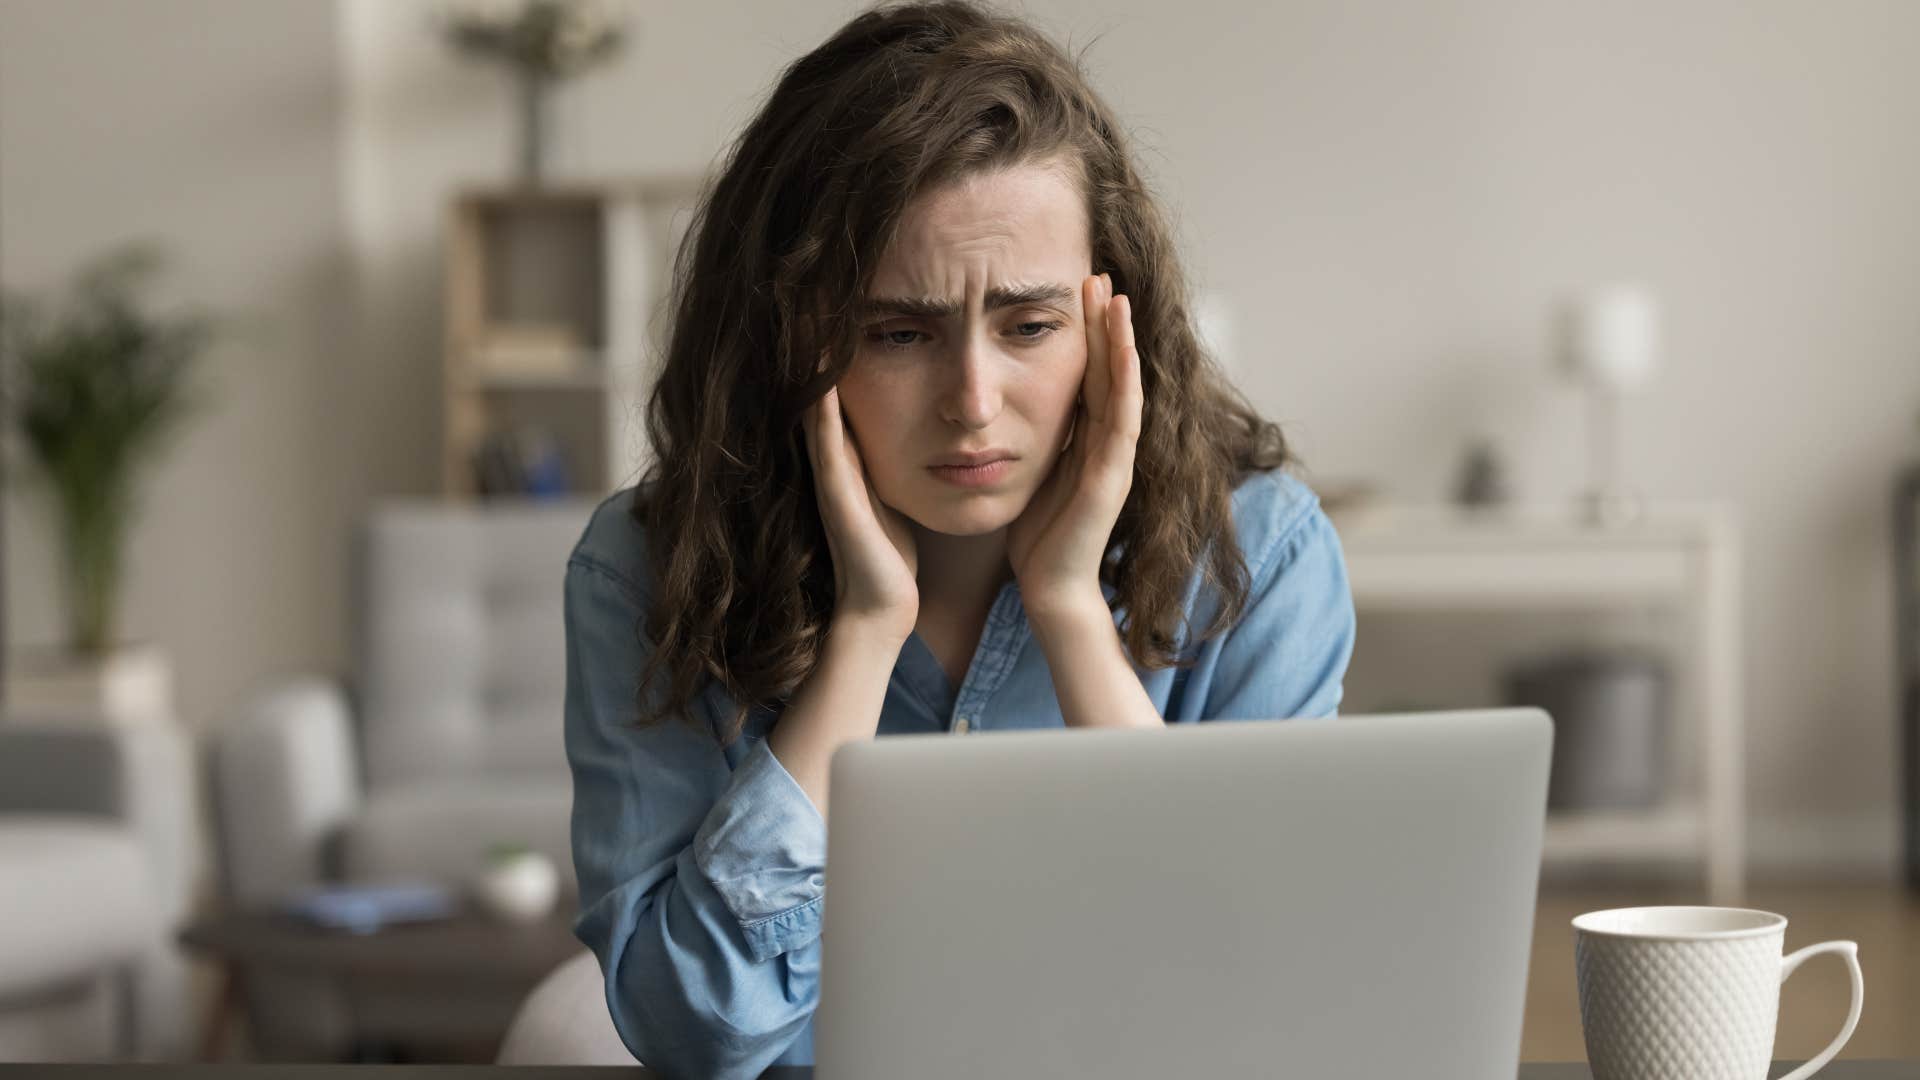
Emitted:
pixel 1286 656
pixel 700 885
pixel 876 601
pixel 1057 544
pixel 1092 677
pixel 838 704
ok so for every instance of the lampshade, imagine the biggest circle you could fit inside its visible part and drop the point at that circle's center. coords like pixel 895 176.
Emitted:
pixel 1610 336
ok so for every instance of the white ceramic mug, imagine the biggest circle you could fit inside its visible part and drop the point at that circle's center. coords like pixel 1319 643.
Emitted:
pixel 1691 991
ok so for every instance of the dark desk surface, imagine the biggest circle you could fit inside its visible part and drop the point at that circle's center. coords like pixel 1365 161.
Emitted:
pixel 1838 1070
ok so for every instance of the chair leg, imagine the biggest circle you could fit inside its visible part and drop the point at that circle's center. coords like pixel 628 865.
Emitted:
pixel 225 1002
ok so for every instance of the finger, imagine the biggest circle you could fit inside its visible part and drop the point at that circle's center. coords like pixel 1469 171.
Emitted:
pixel 837 480
pixel 1127 400
pixel 1094 296
pixel 829 431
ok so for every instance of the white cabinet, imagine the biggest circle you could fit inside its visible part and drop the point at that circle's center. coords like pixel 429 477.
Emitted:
pixel 1684 558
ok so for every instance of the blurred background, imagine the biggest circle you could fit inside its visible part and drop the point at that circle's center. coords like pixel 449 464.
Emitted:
pixel 1594 325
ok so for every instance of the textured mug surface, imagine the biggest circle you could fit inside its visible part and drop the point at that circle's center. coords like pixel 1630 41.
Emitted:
pixel 1686 991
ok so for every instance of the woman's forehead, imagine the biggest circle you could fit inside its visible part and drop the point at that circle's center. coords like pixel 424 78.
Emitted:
pixel 990 236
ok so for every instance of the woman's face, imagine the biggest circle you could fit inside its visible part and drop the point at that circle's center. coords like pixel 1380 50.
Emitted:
pixel 973 340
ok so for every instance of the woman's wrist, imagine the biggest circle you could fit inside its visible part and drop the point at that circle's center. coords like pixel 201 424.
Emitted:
pixel 1066 607
pixel 1093 678
pixel 886 632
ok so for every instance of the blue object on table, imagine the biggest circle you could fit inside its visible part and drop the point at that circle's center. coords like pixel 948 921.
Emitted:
pixel 362 909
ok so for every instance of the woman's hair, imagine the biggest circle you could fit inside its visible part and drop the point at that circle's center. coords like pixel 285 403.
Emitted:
pixel 904 99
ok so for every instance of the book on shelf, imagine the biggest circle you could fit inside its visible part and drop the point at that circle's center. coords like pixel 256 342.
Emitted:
pixel 523 461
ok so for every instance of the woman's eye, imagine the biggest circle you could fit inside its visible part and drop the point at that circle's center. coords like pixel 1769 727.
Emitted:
pixel 890 339
pixel 896 340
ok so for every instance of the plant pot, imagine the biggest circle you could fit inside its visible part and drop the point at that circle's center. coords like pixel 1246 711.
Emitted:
pixel 130 685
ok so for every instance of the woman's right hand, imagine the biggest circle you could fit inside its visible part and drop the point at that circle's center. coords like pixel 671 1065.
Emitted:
pixel 875 560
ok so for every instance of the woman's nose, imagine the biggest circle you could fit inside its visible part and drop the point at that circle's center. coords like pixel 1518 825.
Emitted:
pixel 972 397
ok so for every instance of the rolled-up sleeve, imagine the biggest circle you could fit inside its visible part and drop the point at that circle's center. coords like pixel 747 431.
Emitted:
pixel 763 848
pixel 1287 656
pixel 700 883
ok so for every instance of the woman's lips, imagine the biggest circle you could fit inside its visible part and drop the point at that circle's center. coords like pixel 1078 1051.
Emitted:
pixel 973 475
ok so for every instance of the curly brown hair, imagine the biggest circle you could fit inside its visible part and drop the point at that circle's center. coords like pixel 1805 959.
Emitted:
pixel 903 99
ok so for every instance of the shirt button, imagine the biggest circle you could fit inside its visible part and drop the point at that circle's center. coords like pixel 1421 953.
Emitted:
pixel 960 726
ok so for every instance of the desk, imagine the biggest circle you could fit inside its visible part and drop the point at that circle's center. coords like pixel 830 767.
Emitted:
pixel 1838 1070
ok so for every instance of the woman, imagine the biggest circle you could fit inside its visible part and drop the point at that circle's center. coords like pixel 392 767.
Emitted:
pixel 938 450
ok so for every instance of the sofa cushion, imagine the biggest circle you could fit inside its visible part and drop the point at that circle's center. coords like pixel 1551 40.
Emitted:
pixel 442 831
pixel 463 659
pixel 74 899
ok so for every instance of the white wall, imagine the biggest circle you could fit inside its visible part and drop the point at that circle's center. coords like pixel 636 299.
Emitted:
pixel 212 125
pixel 1387 194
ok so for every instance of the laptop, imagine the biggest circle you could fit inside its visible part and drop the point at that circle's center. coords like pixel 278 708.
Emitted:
pixel 1350 896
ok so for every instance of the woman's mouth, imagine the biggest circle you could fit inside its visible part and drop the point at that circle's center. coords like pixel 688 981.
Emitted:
pixel 991 472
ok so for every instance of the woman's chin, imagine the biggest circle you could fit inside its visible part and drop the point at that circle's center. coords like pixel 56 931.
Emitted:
pixel 976 516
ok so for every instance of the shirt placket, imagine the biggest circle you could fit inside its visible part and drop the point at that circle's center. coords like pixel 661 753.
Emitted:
pixel 1001 640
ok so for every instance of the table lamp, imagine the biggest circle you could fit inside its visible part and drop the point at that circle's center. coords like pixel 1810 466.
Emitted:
pixel 1608 337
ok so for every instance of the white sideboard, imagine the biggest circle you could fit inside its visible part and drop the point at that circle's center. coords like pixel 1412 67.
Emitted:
pixel 1682 557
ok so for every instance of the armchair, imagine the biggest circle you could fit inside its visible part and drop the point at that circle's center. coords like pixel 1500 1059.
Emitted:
pixel 453 743
pixel 99 855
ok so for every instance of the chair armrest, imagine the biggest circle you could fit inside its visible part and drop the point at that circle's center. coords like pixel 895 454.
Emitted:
pixel 285 780
pixel 141 777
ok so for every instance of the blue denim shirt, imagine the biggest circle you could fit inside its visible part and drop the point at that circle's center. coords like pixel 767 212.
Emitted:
pixel 702 870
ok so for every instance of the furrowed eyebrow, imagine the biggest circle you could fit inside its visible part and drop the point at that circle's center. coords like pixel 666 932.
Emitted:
pixel 1000 296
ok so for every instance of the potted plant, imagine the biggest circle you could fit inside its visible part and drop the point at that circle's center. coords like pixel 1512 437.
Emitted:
pixel 96 386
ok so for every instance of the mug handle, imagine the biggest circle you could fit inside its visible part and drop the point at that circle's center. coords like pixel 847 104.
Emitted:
pixel 1851 952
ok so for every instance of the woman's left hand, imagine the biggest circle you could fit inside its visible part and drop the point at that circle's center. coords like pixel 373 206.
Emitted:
pixel 1057 543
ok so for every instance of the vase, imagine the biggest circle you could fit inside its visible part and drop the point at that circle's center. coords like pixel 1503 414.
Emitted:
pixel 518 888
pixel 128 685
pixel 535 112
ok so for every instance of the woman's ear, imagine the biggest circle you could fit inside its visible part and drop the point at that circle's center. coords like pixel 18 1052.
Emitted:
pixel 809 335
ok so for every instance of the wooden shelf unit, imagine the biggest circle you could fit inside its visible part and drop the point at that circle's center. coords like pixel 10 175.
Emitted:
pixel 582 272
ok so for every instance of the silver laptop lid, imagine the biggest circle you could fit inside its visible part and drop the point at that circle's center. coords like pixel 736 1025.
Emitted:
pixel 1341 897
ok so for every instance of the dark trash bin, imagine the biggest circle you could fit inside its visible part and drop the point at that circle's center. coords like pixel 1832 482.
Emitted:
pixel 1610 723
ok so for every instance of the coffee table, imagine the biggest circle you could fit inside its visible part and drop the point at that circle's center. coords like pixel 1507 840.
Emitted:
pixel 479 959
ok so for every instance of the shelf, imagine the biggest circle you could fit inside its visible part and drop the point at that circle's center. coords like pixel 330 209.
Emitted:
pixel 570 280
pixel 1436 557
pixel 590 379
